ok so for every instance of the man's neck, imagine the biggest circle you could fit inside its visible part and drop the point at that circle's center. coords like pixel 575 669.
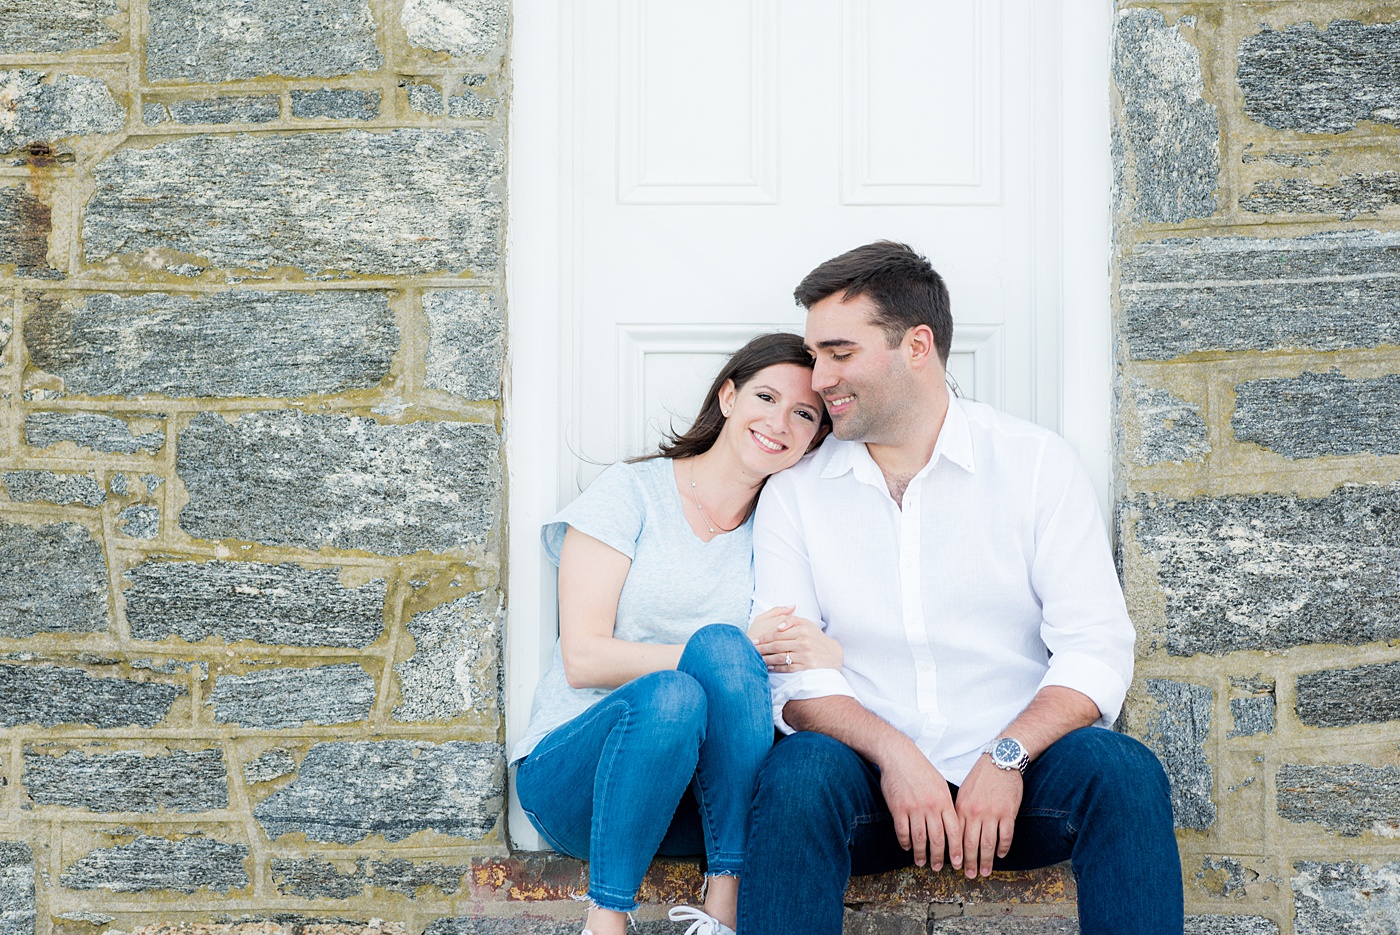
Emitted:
pixel 900 460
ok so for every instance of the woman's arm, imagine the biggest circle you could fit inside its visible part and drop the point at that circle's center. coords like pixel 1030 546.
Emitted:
pixel 590 582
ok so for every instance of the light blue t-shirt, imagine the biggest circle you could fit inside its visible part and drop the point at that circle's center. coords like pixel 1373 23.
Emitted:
pixel 677 583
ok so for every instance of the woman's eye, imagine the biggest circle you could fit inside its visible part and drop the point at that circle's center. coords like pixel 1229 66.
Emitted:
pixel 766 397
pixel 806 415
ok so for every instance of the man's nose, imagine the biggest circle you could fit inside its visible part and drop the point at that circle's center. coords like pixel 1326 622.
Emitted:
pixel 822 376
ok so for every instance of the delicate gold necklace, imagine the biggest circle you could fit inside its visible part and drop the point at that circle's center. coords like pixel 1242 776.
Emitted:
pixel 709 524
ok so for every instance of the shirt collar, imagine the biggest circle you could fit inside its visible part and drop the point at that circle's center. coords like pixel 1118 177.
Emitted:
pixel 954 443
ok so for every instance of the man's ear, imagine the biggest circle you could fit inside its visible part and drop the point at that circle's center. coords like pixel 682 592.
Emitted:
pixel 919 340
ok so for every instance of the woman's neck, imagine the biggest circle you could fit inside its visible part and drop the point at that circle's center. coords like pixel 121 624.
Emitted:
pixel 719 484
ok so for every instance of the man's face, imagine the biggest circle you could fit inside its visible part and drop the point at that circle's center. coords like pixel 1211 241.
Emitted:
pixel 867 385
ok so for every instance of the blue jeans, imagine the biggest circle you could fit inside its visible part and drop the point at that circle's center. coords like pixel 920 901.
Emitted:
pixel 1097 798
pixel 665 764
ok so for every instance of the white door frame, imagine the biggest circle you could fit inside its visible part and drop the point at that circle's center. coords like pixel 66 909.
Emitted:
pixel 540 291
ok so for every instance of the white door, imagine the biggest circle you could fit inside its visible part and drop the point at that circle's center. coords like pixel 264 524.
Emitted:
pixel 707 155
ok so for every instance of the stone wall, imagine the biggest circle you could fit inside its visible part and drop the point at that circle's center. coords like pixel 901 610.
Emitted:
pixel 1257 276
pixel 251 346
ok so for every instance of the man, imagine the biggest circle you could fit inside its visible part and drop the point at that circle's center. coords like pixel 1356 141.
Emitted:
pixel 958 556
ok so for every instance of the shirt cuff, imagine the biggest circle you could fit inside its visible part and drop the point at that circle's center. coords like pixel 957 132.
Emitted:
pixel 812 683
pixel 1092 677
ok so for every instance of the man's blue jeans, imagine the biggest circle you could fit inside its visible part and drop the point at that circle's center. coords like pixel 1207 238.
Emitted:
pixel 665 764
pixel 1097 798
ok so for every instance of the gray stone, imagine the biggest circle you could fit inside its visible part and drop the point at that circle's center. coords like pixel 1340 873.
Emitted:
pixel 1315 81
pixel 149 863
pixel 450 644
pixel 523 924
pixel 55 26
pixel 237 108
pixel 276 698
pixel 1346 697
pixel 153 113
pixel 1304 160
pixel 16 889
pixel 25 225
pixel 1346 799
pixel 52 695
pixel 53 579
pixel 1177 730
pixel 232 343
pixel 1223 877
pixel 1316 414
pixel 466 337
pixel 1003 925
pixel 408 878
pixel 45 112
pixel 273 764
pixel 49 487
pixel 317 879
pixel 225 40
pixel 1346 198
pixel 871 921
pixel 139 522
pixel 127 781
pixel 1171 158
pixel 96 918
pixel 1323 292
pixel 1271 571
pixel 426 99
pixel 465 28
pixel 405 202
pixel 345 792
pixel 281 604
pixel 1345 898
pixel 91 431
pixel 118 485
pixel 152 482
pixel 1252 716
pixel 1230 925
pixel 1169 428
pixel 335 104
pixel 288 478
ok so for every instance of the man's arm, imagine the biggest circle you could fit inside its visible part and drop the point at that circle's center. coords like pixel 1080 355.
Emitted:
pixel 915 792
pixel 990 797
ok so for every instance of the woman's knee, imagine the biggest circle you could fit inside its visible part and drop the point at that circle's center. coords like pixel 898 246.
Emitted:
pixel 722 648
pixel 668 704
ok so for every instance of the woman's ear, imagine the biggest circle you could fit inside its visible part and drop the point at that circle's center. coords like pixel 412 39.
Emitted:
pixel 727 394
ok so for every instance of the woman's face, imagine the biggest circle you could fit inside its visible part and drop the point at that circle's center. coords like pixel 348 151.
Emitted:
pixel 773 418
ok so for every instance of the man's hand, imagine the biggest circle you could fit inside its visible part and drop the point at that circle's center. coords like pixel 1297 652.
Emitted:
pixel 987 804
pixel 921 806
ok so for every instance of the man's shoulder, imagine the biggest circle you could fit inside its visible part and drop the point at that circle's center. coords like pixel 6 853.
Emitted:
pixel 1010 434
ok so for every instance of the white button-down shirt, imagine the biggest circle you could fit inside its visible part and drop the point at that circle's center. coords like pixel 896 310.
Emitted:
pixel 993 581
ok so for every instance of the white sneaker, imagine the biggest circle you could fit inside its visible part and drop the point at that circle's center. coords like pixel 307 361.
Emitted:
pixel 701 923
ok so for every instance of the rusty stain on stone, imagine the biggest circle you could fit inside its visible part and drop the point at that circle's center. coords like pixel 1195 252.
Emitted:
pixel 528 879
pixel 671 881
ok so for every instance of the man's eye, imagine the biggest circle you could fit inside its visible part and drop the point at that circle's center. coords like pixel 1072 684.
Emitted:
pixel 840 356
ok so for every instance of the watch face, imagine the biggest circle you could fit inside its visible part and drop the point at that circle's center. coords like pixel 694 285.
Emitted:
pixel 1006 751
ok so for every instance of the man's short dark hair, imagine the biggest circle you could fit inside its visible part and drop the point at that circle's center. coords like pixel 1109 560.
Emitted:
pixel 905 288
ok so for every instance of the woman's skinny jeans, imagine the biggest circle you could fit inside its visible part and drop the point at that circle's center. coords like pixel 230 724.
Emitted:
pixel 665 764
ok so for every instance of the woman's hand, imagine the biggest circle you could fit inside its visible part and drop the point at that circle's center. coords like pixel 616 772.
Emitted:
pixel 792 644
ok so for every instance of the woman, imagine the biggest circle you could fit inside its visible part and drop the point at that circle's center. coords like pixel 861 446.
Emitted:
pixel 649 726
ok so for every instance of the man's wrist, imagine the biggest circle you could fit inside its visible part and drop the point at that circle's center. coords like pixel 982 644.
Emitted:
pixel 1008 754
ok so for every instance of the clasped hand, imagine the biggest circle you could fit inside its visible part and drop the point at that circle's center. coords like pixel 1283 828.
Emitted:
pixel 792 644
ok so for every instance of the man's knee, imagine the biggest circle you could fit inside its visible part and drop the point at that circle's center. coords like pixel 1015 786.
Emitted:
pixel 809 774
pixel 1116 765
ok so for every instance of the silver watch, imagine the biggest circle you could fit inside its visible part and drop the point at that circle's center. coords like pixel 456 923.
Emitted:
pixel 1007 753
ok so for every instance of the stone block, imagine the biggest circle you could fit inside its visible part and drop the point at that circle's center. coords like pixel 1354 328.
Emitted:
pixel 1345 897
pixel 912 921
pixel 128 781
pixel 426 99
pixel 274 764
pixel 139 522
pixel 1176 728
pixel 53 579
pixel 56 26
pixel 1346 800
pixel 92 431
pixel 225 40
pixel 1347 197
pixel 466 337
pixel 1170 156
pixel 1345 697
pixel 149 863
pixel 40 111
pixel 232 343
pixel 49 487
pixel 1230 925
pixel 1271 571
pixel 1321 292
pixel 1252 716
pixel 1316 414
pixel 25 225
pixel 452 644
pixel 236 108
pixel 49 695
pixel 405 202
pixel 16 889
pixel 1001 925
pixel 345 792
pixel 1222 877
pixel 463 28
pixel 288 478
pixel 1321 80
pixel 282 604
pixel 319 879
pixel 1169 428
pixel 335 104
pixel 277 698
pixel 523 924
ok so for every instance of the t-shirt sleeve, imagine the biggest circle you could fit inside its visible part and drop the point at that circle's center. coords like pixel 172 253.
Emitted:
pixel 611 510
